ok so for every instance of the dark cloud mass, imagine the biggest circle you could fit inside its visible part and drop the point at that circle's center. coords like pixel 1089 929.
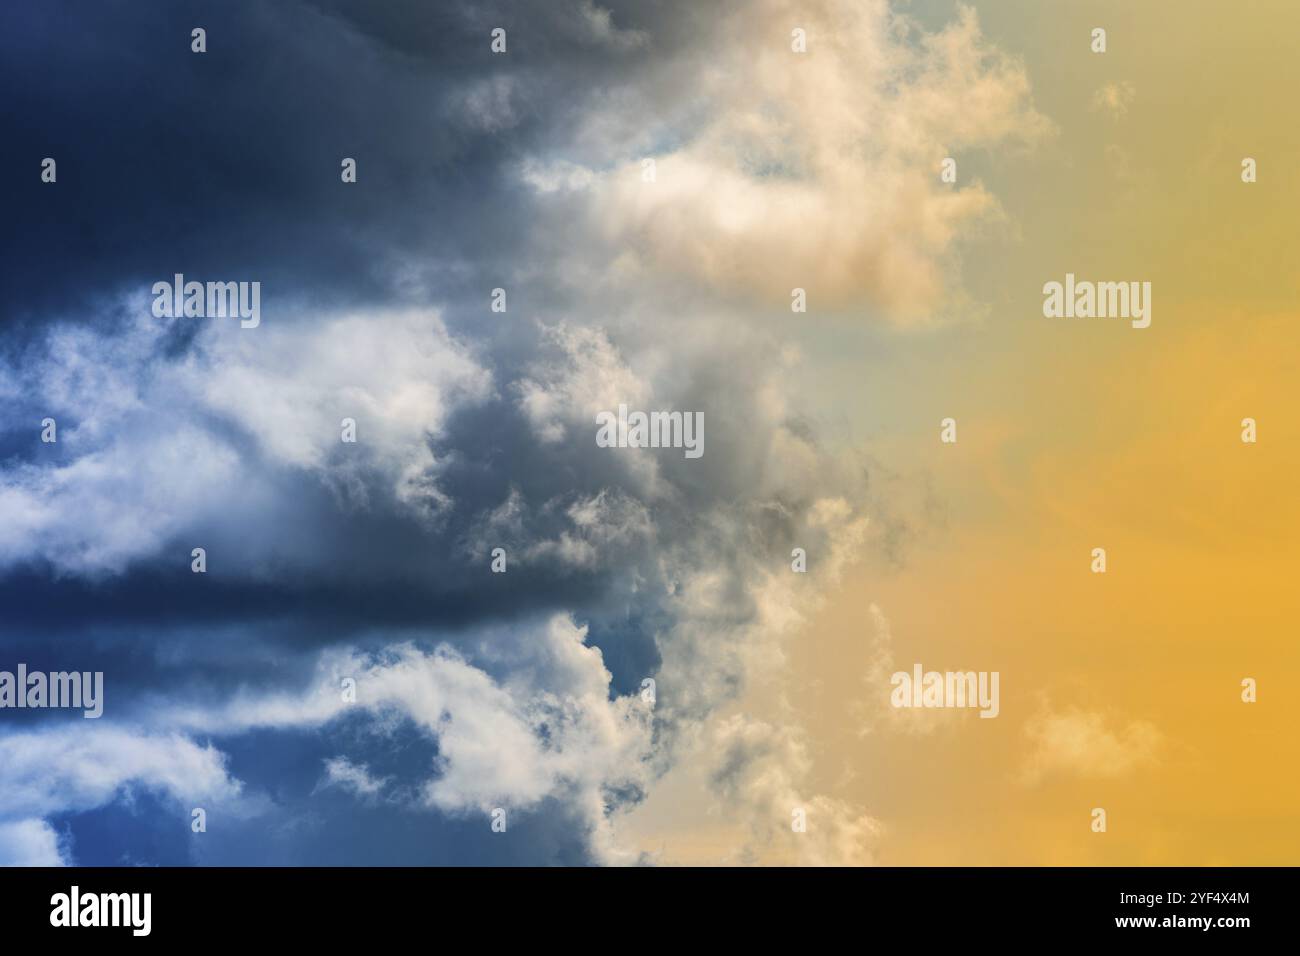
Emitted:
pixel 475 432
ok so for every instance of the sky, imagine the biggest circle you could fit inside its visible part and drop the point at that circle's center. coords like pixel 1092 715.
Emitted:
pixel 650 680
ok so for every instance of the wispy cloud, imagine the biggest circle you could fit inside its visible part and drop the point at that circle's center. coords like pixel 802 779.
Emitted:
pixel 1114 99
pixel 1077 742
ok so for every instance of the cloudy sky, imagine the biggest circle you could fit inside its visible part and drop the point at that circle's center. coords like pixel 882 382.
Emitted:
pixel 647 182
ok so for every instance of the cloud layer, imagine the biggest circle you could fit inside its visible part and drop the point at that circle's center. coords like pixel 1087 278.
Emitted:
pixel 475 429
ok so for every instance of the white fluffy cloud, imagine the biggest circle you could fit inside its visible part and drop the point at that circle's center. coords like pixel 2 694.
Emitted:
pixel 29 843
pixel 354 778
pixel 1114 99
pixel 548 728
pixel 144 457
pixel 874 711
pixel 819 170
pixel 1078 742
pixel 756 773
pixel 585 375
pixel 74 767
pixel 397 375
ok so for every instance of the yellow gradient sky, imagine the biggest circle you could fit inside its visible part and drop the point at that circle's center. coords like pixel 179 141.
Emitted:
pixel 1119 690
